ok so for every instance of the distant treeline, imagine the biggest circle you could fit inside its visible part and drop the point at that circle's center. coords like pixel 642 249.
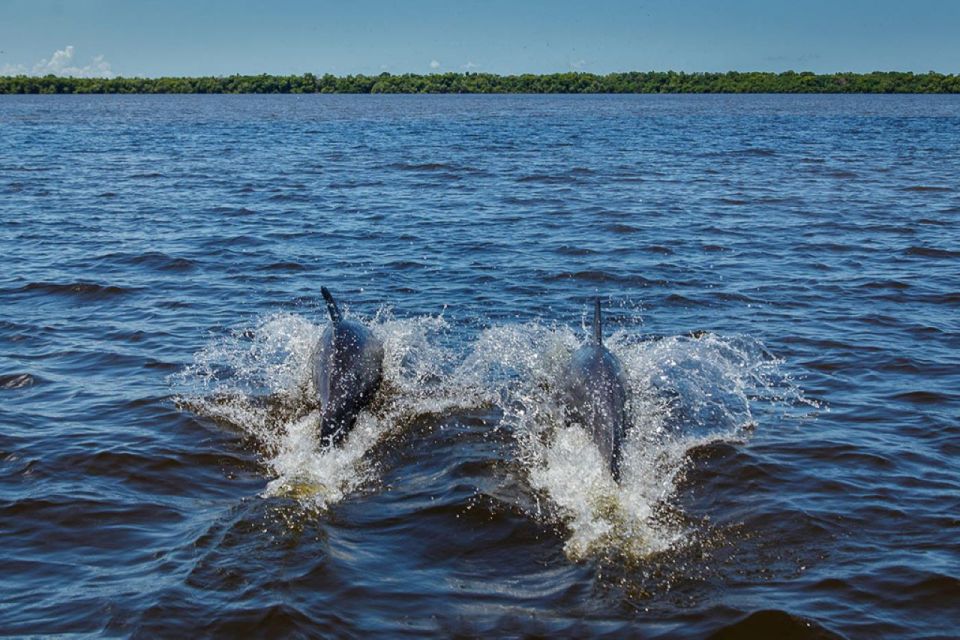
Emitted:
pixel 632 82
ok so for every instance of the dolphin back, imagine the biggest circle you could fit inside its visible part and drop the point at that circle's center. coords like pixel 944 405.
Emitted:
pixel 347 371
pixel 594 394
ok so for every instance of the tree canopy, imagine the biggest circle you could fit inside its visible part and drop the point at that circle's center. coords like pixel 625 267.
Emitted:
pixel 629 82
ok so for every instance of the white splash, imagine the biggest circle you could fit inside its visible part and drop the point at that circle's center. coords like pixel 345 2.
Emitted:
pixel 258 380
pixel 684 392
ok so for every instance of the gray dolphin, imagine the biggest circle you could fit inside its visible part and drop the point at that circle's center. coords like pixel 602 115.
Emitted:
pixel 594 392
pixel 347 370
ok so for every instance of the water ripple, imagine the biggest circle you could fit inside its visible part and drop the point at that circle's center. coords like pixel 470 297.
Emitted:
pixel 779 275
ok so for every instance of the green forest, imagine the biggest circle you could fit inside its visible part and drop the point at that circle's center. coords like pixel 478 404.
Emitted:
pixel 631 82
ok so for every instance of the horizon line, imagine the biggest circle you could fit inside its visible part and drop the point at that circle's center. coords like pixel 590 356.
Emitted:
pixel 382 74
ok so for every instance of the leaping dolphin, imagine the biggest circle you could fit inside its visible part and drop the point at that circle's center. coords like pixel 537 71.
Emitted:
pixel 594 393
pixel 348 368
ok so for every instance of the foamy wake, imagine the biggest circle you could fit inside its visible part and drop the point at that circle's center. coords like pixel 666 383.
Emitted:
pixel 685 392
pixel 258 380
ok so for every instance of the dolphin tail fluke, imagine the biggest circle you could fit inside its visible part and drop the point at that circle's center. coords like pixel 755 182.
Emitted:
pixel 331 305
pixel 597 326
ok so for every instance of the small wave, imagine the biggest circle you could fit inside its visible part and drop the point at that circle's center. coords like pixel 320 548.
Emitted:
pixel 17 381
pixel 25 169
pixel 761 152
pixel 837 247
pixel 843 174
pixel 923 397
pixel 233 211
pixel 575 251
pixel 601 276
pixel 421 166
pixel 289 197
pixel 923 187
pixel 896 285
pixel 732 296
pixel 403 265
pixel 148 175
pixel 546 179
pixel 80 289
pixel 657 248
pixel 684 301
pixel 774 624
pixel 946 298
pixel 219 243
pixel 584 276
pixel 356 184
pixel 912 366
pixel 438 177
pixel 936 588
pixel 931 252
pixel 623 228
pixel 151 259
pixel 286 266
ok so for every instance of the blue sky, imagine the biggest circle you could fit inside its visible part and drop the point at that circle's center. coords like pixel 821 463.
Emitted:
pixel 218 37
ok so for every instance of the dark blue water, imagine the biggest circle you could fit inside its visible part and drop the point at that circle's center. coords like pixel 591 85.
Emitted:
pixel 781 276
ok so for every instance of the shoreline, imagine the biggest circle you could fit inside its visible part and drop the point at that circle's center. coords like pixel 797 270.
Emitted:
pixel 650 82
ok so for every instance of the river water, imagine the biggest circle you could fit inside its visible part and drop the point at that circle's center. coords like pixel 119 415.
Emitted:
pixel 780 277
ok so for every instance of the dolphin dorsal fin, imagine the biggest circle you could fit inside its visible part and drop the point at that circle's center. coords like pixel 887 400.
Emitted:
pixel 597 326
pixel 331 305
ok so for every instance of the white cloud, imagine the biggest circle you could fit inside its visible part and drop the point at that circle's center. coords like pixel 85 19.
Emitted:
pixel 470 65
pixel 13 70
pixel 579 64
pixel 434 64
pixel 61 63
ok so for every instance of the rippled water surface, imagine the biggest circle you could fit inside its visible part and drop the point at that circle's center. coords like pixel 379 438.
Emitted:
pixel 781 279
